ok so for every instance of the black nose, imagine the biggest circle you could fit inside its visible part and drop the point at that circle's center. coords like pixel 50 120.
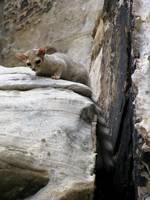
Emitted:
pixel 29 64
pixel 33 68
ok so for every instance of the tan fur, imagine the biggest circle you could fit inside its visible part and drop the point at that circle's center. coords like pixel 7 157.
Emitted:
pixel 55 65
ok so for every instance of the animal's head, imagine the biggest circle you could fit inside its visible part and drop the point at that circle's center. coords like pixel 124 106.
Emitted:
pixel 32 58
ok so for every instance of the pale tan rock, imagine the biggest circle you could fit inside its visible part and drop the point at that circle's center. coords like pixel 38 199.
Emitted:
pixel 67 25
pixel 141 80
pixel 45 134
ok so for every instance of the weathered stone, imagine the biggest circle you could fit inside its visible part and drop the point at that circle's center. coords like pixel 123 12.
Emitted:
pixel 141 80
pixel 24 3
pixel 44 136
pixel 68 26
pixel 96 33
pixel 31 81
pixel 111 83
pixel 18 183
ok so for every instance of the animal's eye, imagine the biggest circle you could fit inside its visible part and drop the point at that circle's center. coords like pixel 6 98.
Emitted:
pixel 37 61
pixel 28 64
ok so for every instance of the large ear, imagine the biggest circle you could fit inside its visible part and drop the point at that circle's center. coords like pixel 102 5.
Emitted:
pixel 41 51
pixel 50 50
pixel 21 56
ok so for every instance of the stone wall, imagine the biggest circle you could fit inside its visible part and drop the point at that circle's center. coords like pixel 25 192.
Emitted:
pixel 47 159
pixel 141 87
pixel 111 69
pixel 45 137
pixel 17 14
pixel 96 33
pixel 66 26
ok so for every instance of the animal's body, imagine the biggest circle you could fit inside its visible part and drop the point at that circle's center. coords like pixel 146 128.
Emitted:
pixel 56 65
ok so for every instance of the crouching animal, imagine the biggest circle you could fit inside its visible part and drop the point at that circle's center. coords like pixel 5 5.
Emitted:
pixel 55 65
pixel 58 65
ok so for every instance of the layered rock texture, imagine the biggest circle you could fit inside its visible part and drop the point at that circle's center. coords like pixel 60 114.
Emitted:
pixel 64 24
pixel 47 126
pixel 45 137
pixel 141 81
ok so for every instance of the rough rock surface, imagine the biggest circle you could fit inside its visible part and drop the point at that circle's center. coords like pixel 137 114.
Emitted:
pixel 111 83
pixel 96 33
pixel 67 25
pixel 141 81
pixel 45 137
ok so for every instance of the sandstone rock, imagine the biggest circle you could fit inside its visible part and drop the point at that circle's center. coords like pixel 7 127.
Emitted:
pixel 111 83
pixel 141 80
pixel 53 138
pixel 66 25
pixel 44 137
pixel 97 34
pixel 17 183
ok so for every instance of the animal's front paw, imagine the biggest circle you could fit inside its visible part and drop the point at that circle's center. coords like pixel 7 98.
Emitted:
pixel 56 77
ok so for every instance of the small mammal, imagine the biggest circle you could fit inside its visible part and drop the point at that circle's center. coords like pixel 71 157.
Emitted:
pixel 58 65
pixel 55 65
